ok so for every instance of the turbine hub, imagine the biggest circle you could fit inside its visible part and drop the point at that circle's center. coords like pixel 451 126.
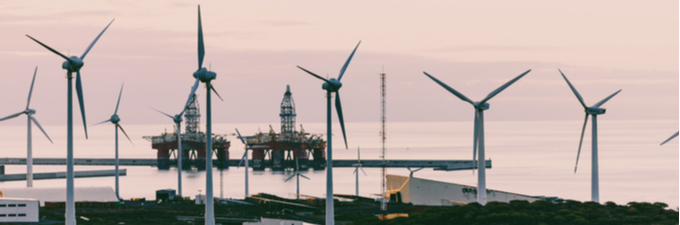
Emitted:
pixel 484 106
pixel 204 75
pixel 29 111
pixel 115 118
pixel 177 118
pixel 332 85
pixel 72 65
pixel 595 111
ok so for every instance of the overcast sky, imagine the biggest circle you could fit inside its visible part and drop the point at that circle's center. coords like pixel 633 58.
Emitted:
pixel 254 46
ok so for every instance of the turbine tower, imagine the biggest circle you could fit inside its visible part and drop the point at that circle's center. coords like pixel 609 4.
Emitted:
pixel 244 158
pixel 204 75
pixel 114 120
pixel 29 147
pixel 479 130
pixel 357 166
pixel 72 64
pixel 592 111
pixel 332 85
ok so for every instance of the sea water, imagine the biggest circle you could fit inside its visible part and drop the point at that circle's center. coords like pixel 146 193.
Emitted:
pixel 534 158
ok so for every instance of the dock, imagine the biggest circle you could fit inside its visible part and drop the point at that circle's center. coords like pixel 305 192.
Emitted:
pixel 62 175
pixel 446 165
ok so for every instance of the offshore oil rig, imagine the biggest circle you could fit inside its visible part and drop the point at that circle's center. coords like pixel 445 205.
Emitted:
pixel 277 151
pixel 193 144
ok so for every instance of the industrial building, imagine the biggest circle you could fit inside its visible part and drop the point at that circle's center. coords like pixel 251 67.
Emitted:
pixel 58 194
pixel 19 210
pixel 420 191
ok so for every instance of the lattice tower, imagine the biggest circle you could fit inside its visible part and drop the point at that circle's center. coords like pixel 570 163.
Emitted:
pixel 287 112
pixel 192 117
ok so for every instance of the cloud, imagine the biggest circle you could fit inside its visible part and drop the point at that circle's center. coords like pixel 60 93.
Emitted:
pixel 493 48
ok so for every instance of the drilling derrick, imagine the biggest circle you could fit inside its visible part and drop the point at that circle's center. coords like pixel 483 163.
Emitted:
pixel 287 112
pixel 193 144
pixel 192 117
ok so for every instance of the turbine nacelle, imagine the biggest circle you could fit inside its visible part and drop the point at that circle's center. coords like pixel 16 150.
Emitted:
pixel 115 119
pixel 595 111
pixel 29 111
pixel 205 75
pixel 333 85
pixel 482 106
pixel 72 64
pixel 177 118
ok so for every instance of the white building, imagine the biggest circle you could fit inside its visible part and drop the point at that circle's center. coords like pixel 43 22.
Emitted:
pixel 436 193
pixel 58 194
pixel 19 210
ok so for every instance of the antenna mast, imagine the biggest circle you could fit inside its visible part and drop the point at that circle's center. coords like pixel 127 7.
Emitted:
pixel 383 204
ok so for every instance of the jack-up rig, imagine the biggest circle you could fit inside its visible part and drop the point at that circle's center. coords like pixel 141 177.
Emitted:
pixel 193 144
pixel 279 151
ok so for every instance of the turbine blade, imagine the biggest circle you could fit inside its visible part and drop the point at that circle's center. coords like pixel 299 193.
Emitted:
pixel 191 96
pixel 501 88
pixel 102 122
pixel 313 74
pixel 239 137
pixel 344 67
pixel 243 158
pixel 355 170
pixel 40 127
pixel 338 108
pixel 81 101
pixel 304 176
pixel 573 89
pixel 48 48
pixel 598 104
pixel 362 170
pixel 168 115
pixel 418 169
pixel 218 95
pixel 454 92
pixel 291 177
pixel 583 130
pixel 121 129
pixel 95 40
pixel 409 168
pixel 670 138
pixel 31 90
pixel 474 145
pixel 120 94
pixel 11 116
pixel 201 47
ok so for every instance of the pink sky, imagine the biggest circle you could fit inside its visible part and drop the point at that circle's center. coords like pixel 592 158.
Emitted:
pixel 254 47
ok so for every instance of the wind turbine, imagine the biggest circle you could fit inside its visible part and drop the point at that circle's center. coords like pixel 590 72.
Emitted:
pixel 114 120
pixel 413 171
pixel 298 175
pixel 479 130
pixel 670 138
pixel 72 64
pixel 178 123
pixel 244 158
pixel 592 111
pixel 332 85
pixel 204 75
pixel 29 112
pixel 357 166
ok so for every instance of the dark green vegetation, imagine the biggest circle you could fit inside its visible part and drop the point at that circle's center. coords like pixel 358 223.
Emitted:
pixel 538 212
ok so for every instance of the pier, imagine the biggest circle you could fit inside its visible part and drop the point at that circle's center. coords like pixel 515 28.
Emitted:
pixel 447 165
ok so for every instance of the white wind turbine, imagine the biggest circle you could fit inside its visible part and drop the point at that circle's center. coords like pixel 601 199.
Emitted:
pixel 204 75
pixel 357 166
pixel 29 148
pixel 413 171
pixel 479 130
pixel 72 64
pixel 670 138
pixel 178 123
pixel 332 85
pixel 297 180
pixel 592 111
pixel 244 158
pixel 114 120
